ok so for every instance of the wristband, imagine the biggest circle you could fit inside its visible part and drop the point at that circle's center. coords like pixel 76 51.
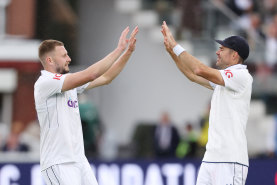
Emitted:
pixel 178 50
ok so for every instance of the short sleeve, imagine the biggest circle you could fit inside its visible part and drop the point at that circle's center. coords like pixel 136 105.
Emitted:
pixel 213 85
pixel 235 80
pixel 81 89
pixel 51 84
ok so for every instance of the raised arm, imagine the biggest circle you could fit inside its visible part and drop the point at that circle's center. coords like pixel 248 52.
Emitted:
pixel 77 79
pixel 117 67
pixel 189 65
pixel 184 69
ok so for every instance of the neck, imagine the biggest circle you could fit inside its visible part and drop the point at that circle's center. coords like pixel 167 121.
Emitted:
pixel 232 64
pixel 49 69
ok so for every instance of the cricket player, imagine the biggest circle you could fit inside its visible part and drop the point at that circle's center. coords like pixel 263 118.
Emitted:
pixel 62 157
pixel 226 158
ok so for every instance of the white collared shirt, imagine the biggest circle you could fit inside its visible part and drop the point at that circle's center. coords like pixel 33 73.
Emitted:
pixel 61 136
pixel 228 117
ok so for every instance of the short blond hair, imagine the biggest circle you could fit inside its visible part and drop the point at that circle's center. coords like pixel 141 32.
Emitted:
pixel 47 46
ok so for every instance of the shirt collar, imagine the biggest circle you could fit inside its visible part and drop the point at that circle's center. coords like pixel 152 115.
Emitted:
pixel 237 66
pixel 44 72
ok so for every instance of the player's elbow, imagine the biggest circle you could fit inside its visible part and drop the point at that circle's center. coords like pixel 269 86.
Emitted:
pixel 192 78
pixel 107 80
pixel 93 77
pixel 199 71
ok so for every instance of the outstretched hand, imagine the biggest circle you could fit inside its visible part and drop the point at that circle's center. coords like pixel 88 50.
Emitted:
pixel 123 41
pixel 132 40
pixel 169 40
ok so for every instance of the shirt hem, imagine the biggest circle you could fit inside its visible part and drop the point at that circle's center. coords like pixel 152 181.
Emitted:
pixel 226 162
pixel 44 167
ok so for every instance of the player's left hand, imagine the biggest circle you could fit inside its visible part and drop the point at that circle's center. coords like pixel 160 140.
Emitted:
pixel 169 40
pixel 123 41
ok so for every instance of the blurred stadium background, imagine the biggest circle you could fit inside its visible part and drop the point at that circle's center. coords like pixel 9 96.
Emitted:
pixel 119 120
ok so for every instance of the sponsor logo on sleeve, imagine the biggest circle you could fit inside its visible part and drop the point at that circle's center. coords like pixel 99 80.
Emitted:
pixel 228 73
pixel 57 76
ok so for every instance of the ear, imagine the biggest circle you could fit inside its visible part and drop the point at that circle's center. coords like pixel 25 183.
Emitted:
pixel 237 58
pixel 235 55
pixel 49 60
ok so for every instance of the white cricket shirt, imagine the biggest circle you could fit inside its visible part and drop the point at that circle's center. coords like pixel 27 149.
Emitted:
pixel 228 117
pixel 61 136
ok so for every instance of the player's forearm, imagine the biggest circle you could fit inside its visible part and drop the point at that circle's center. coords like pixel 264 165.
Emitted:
pixel 181 66
pixel 103 65
pixel 192 63
pixel 188 73
pixel 91 73
pixel 117 67
pixel 112 73
pixel 201 73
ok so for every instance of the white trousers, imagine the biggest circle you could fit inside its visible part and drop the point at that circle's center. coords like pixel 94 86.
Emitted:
pixel 222 174
pixel 69 173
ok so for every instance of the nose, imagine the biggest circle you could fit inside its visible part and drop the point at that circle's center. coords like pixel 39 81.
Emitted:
pixel 69 59
pixel 218 52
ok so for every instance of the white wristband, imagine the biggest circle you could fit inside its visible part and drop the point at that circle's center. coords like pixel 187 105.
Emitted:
pixel 178 50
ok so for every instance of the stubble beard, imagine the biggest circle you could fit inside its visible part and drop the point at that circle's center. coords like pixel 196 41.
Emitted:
pixel 61 70
pixel 220 65
pixel 64 71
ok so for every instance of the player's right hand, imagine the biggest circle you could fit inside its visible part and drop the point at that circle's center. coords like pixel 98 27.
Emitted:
pixel 123 41
pixel 132 40
pixel 169 40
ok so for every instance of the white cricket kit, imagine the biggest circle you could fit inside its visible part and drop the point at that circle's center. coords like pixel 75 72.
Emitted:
pixel 59 118
pixel 228 117
pixel 222 174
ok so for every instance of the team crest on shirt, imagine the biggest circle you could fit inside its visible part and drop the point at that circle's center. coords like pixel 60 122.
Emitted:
pixel 228 73
pixel 57 76
pixel 72 103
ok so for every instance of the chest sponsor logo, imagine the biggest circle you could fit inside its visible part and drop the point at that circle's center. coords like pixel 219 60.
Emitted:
pixel 57 77
pixel 228 73
pixel 72 103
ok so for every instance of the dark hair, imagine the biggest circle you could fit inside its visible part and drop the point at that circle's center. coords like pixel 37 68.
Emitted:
pixel 47 46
